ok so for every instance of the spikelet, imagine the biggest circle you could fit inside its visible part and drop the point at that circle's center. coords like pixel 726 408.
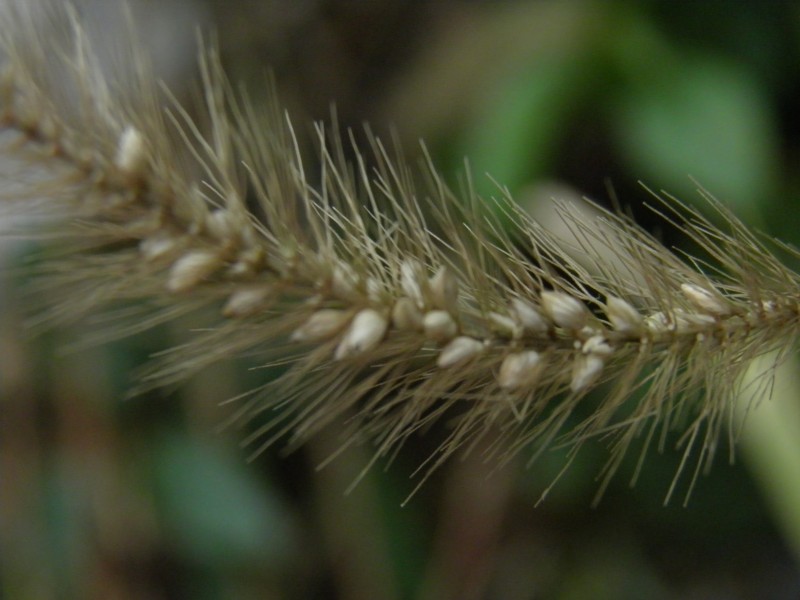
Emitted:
pixel 459 352
pixel 372 288
pixel 519 370
pixel 131 153
pixel 365 333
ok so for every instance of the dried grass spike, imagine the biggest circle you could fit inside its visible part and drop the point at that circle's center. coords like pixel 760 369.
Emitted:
pixel 370 280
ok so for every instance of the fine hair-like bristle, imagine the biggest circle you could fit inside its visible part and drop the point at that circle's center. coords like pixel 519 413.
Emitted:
pixel 395 302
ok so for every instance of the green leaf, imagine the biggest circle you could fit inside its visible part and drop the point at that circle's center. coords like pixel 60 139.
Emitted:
pixel 704 119
pixel 515 140
pixel 214 511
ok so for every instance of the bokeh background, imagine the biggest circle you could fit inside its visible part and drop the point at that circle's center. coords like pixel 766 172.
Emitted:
pixel 107 497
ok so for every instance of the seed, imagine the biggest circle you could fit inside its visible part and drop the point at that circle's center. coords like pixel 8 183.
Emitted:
pixel 365 332
pixel 406 316
pixel 505 325
pixel 528 316
pixel 375 290
pixel 586 370
pixel 248 262
pixel 459 351
pixel 344 282
pixel 158 245
pixel 439 325
pixel 246 302
pixel 192 268
pixel 704 300
pixel 131 152
pixel 565 311
pixel 221 225
pixel 410 277
pixel 678 321
pixel 520 369
pixel 597 345
pixel 624 317
pixel 444 289
pixel 321 325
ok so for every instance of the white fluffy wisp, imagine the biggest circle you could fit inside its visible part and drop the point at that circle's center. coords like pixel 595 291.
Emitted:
pixel 395 304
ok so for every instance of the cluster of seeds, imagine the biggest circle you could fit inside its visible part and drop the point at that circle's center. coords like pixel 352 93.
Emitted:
pixel 428 305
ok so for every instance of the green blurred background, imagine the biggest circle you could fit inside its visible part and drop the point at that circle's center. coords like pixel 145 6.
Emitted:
pixel 102 497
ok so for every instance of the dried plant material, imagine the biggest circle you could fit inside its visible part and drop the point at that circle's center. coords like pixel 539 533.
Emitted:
pixel 391 302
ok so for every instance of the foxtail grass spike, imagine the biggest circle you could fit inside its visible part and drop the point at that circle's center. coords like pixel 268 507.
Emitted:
pixel 394 303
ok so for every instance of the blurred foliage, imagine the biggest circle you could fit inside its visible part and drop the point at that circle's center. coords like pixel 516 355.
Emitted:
pixel 142 498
